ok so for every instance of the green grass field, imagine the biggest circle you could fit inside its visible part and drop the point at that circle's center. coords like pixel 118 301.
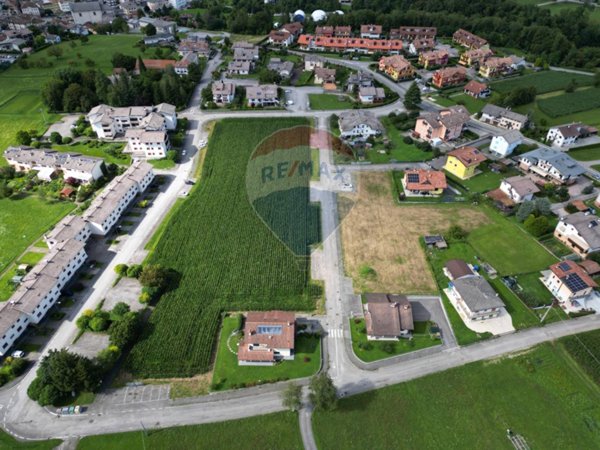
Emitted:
pixel 582 100
pixel 421 339
pixel 546 81
pixel 534 289
pixel 23 221
pixel 279 431
pixel 98 151
pixel 327 102
pixel 587 153
pixel 557 8
pixel 538 394
pixel 20 89
pixel 400 150
pixel 484 181
pixel 228 374
pixel 474 105
pixel 7 442
pixel 226 256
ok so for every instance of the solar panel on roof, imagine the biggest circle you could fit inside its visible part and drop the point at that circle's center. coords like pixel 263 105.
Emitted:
pixel 564 266
pixel 413 177
pixel 574 282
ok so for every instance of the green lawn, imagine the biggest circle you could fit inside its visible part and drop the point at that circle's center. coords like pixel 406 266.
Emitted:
pixel 369 351
pixel 534 289
pixel 539 395
pixel 20 89
pixel 98 150
pixel 279 431
pixel 522 316
pixel 305 78
pixel 162 163
pixel 507 248
pixel 228 375
pixel 315 158
pixel 557 8
pixel 400 151
pixel 474 105
pixel 23 221
pixel 587 153
pixel 326 102
pixel 545 81
pixel 589 117
pixel 484 181
pixel 7 442
pixel 31 258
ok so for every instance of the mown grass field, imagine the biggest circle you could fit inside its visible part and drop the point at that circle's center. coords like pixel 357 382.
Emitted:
pixel 326 102
pixel 228 374
pixel 7 442
pixel 226 255
pixel 587 153
pixel 575 102
pixel 546 81
pixel 23 221
pixel 279 431
pixel 538 394
pixel 20 89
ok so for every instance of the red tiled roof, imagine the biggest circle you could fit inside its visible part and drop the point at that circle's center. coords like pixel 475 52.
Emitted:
pixel 258 345
pixel 351 43
pixel 156 64
pixel 475 87
pixel 565 268
pixel 469 156
pixel 429 180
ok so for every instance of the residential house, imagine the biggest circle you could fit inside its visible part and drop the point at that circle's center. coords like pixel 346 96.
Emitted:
pixel 178 4
pixel 457 268
pixel 504 144
pixel 552 165
pixel 357 80
pixel 474 297
pixel 568 283
pixel 243 44
pixel 495 67
pixel 356 45
pixel 324 75
pixel 107 208
pixel 503 117
pixel 592 268
pixel 371 31
pixel 262 95
pixel 30 9
pixel 474 58
pixel 441 126
pixel 468 39
pixel 433 58
pixel 369 95
pixel 70 227
pixel 326 31
pixel 239 68
pixel 283 68
pixel 294 28
pixel 359 124
pixel 476 89
pixel 342 31
pixel 463 162
pixel 223 93
pixel 250 55
pixel 449 76
pixel 281 38
pixel 110 122
pixel 268 337
pixel 87 12
pixel 159 39
pixel 565 135
pixel 580 232
pixel 147 144
pixel 182 66
pixel 396 67
pixel 200 47
pixel 424 182
pixel 388 317
pixel 419 46
pixel 311 62
pixel 82 168
pixel 162 26
pixel 512 191
pixel 413 33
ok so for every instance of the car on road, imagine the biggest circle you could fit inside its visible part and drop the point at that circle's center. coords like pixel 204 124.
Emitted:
pixel 18 354
pixel 190 182
pixel 183 153
pixel 290 102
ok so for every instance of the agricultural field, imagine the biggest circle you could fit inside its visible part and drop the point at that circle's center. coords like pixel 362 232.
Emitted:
pixel 544 82
pixel 575 102
pixel 324 102
pixel 226 256
pixel 16 234
pixel 538 394
pixel 20 89
pixel 585 349
pixel 228 374
pixel 557 8
pixel 394 260
pixel 269 432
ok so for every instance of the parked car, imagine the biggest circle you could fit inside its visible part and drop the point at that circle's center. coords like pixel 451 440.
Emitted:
pixel 18 354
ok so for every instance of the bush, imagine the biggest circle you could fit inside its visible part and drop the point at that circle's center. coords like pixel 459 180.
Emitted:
pixel 121 270
pixel 571 208
pixel 587 190
pixel 67 140
pixel 407 140
pixel 55 137
pixel 457 233
pixel 98 324
pixel 83 322
pixel 134 270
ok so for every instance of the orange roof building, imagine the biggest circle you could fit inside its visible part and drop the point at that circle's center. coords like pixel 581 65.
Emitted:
pixel 396 67
pixel 349 44
pixel 268 338
pixel 424 182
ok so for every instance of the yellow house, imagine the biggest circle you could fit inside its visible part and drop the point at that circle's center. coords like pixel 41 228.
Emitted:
pixel 463 162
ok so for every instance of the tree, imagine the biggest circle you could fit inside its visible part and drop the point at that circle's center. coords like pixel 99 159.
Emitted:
pixel 457 233
pixel 154 275
pixel 323 394
pixel 537 226
pixel 125 61
pixel 55 137
pixel 543 206
pixel 55 51
pixel 291 397
pixel 123 332
pixel 150 30
pixel 23 137
pixel 5 190
pixel 525 210
pixel 98 323
pixel 121 270
pixel 412 98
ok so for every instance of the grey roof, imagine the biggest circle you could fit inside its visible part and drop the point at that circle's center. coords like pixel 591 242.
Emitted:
pixel 477 293
pixel 67 228
pixel 50 158
pixel 85 7
pixel 512 136
pixel 138 171
pixel 261 92
pixel 522 185
pixel 371 91
pixel 587 225
pixel 496 111
pixel 562 162
pixel 8 316
pixel 350 119
pixel 221 88
pixel 278 65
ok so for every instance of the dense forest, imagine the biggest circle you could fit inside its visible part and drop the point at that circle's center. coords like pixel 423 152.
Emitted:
pixel 72 90
pixel 568 38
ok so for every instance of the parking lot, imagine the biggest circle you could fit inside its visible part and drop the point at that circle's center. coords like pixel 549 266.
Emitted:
pixel 142 394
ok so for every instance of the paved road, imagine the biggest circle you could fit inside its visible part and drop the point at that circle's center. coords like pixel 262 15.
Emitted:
pixel 26 419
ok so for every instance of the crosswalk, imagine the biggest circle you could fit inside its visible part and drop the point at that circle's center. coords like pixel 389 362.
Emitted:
pixel 336 333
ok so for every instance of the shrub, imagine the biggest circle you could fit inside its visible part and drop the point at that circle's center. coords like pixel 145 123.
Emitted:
pixel 407 140
pixel 571 208
pixel 134 270
pixel 55 137
pixel 367 272
pixel 457 233
pixel 588 189
pixel 388 347
pixel 98 323
pixel 121 269
pixel 83 322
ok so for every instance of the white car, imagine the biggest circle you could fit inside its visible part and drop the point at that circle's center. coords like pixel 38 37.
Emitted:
pixel 184 153
pixel 18 354
pixel 290 102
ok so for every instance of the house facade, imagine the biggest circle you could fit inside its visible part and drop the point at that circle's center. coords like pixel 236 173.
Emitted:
pixel 433 58
pixel 396 67
pixel 441 126
pixel 580 232
pixel 565 135
pixel 476 89
pixel 449 76
pixel 519 189
pixel 495 67
pixel 369 95
pixel 474 58
pixel 463 162
pixel 568 282
pixel 359 124
pixel 223 93
pixel 147 144
pixel 503 117
pixel 504 144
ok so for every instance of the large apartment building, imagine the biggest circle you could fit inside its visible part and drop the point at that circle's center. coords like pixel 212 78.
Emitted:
pixel 109 122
